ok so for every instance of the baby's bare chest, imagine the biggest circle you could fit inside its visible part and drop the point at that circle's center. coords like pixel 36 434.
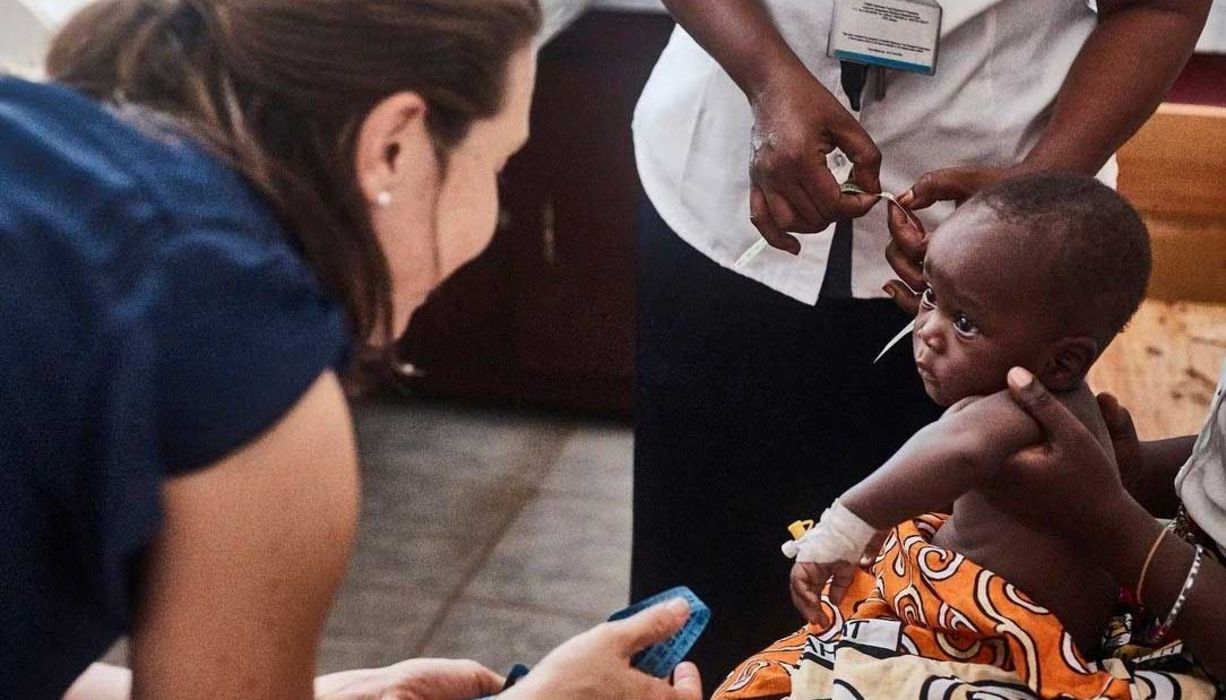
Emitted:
pixel 1044 566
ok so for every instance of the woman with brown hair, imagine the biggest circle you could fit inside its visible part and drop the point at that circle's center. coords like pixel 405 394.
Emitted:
pixel 213 205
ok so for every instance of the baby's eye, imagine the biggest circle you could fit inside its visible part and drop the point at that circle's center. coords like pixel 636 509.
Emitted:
pixel 964 326
pixel 928 299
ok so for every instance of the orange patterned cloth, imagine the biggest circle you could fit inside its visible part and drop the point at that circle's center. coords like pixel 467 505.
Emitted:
pixel 929 623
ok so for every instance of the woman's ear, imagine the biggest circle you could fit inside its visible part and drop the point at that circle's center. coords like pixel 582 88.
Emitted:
pixel 393 142
pixel 1069 362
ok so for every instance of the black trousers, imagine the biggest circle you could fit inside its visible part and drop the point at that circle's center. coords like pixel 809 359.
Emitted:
pixel 753 410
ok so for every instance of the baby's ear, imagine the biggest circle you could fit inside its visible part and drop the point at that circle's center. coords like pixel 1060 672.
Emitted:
pixel 1069 362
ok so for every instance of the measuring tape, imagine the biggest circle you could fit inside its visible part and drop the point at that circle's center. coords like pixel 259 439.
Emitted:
pixel 659 660
pixel 846 188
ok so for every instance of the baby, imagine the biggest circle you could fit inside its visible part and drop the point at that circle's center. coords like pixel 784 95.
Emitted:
pixel 1039 272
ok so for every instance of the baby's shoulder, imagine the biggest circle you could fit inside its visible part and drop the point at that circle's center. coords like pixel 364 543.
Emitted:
pixel 984 404
pixel 1000 408
pixel 960 405
pixel 1080 400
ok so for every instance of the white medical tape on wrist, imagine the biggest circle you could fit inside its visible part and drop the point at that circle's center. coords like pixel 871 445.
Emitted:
pixel 839 536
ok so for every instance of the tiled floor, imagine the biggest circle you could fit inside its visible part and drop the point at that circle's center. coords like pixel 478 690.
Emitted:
pixel 485 534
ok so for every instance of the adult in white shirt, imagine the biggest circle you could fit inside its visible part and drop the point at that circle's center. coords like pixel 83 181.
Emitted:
pixel 758 397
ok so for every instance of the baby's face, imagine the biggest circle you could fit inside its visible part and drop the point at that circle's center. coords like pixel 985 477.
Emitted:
pixel 979 316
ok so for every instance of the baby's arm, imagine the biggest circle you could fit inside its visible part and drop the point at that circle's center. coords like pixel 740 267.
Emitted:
pixel 962 451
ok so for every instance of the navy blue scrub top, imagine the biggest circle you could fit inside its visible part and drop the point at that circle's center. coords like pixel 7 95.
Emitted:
pixel 154 317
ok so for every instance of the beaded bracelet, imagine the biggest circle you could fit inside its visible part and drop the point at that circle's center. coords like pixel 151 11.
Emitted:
pixel 1165 628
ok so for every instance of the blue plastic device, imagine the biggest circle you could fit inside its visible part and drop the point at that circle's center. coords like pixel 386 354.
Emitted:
pixel 660 659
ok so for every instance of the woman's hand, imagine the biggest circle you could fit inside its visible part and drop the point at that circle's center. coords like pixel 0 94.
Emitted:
pixel 797 123
pixel 1129 455
pixel 909 240
pixel 1068 483
pixel 418 679
pixel 1147 468
pixel 596 664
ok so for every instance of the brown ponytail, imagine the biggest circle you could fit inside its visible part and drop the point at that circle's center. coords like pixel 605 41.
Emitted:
pixel 280 88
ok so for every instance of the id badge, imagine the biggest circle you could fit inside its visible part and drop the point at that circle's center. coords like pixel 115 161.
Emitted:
pixel 897 34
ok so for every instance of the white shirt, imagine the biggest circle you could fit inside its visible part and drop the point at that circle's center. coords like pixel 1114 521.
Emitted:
pixel 1202 481
pixel 1213 38
pixel 1001 65
pixel 25 33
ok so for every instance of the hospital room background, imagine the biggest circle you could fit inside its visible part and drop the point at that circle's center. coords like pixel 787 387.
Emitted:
pixel 496 520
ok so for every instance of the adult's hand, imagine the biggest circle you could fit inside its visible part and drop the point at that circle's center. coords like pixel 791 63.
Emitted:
pixel 418 679
pixel 909 240
pixel 1148 468
pixel 596 664
pixel 1068 483
pixel 797 123
pixel 1124 441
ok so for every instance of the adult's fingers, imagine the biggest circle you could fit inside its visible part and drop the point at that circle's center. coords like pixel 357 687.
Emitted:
pixel 852 206
pixel 832 203
pixel 1057 422
pixel 760 216
pixel 652 626
pixel 808 216
pixel 457 677
pixel 1118 419
pixel 822 188
pixel 782 213
pixel 478 680
pixel 1109 406
pixel 687 682
pixel 906 232
pixel 783 180
pixel 908 269
pixel 903 297
pixel 859 148
pixel 956 184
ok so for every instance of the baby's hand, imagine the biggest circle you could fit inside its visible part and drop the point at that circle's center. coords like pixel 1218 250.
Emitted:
pixel 808 581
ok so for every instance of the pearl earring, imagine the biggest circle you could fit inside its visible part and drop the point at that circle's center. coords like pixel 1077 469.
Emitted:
pixel 384 199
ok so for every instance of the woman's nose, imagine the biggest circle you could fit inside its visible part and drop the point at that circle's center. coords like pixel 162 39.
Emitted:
pixel 927 329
